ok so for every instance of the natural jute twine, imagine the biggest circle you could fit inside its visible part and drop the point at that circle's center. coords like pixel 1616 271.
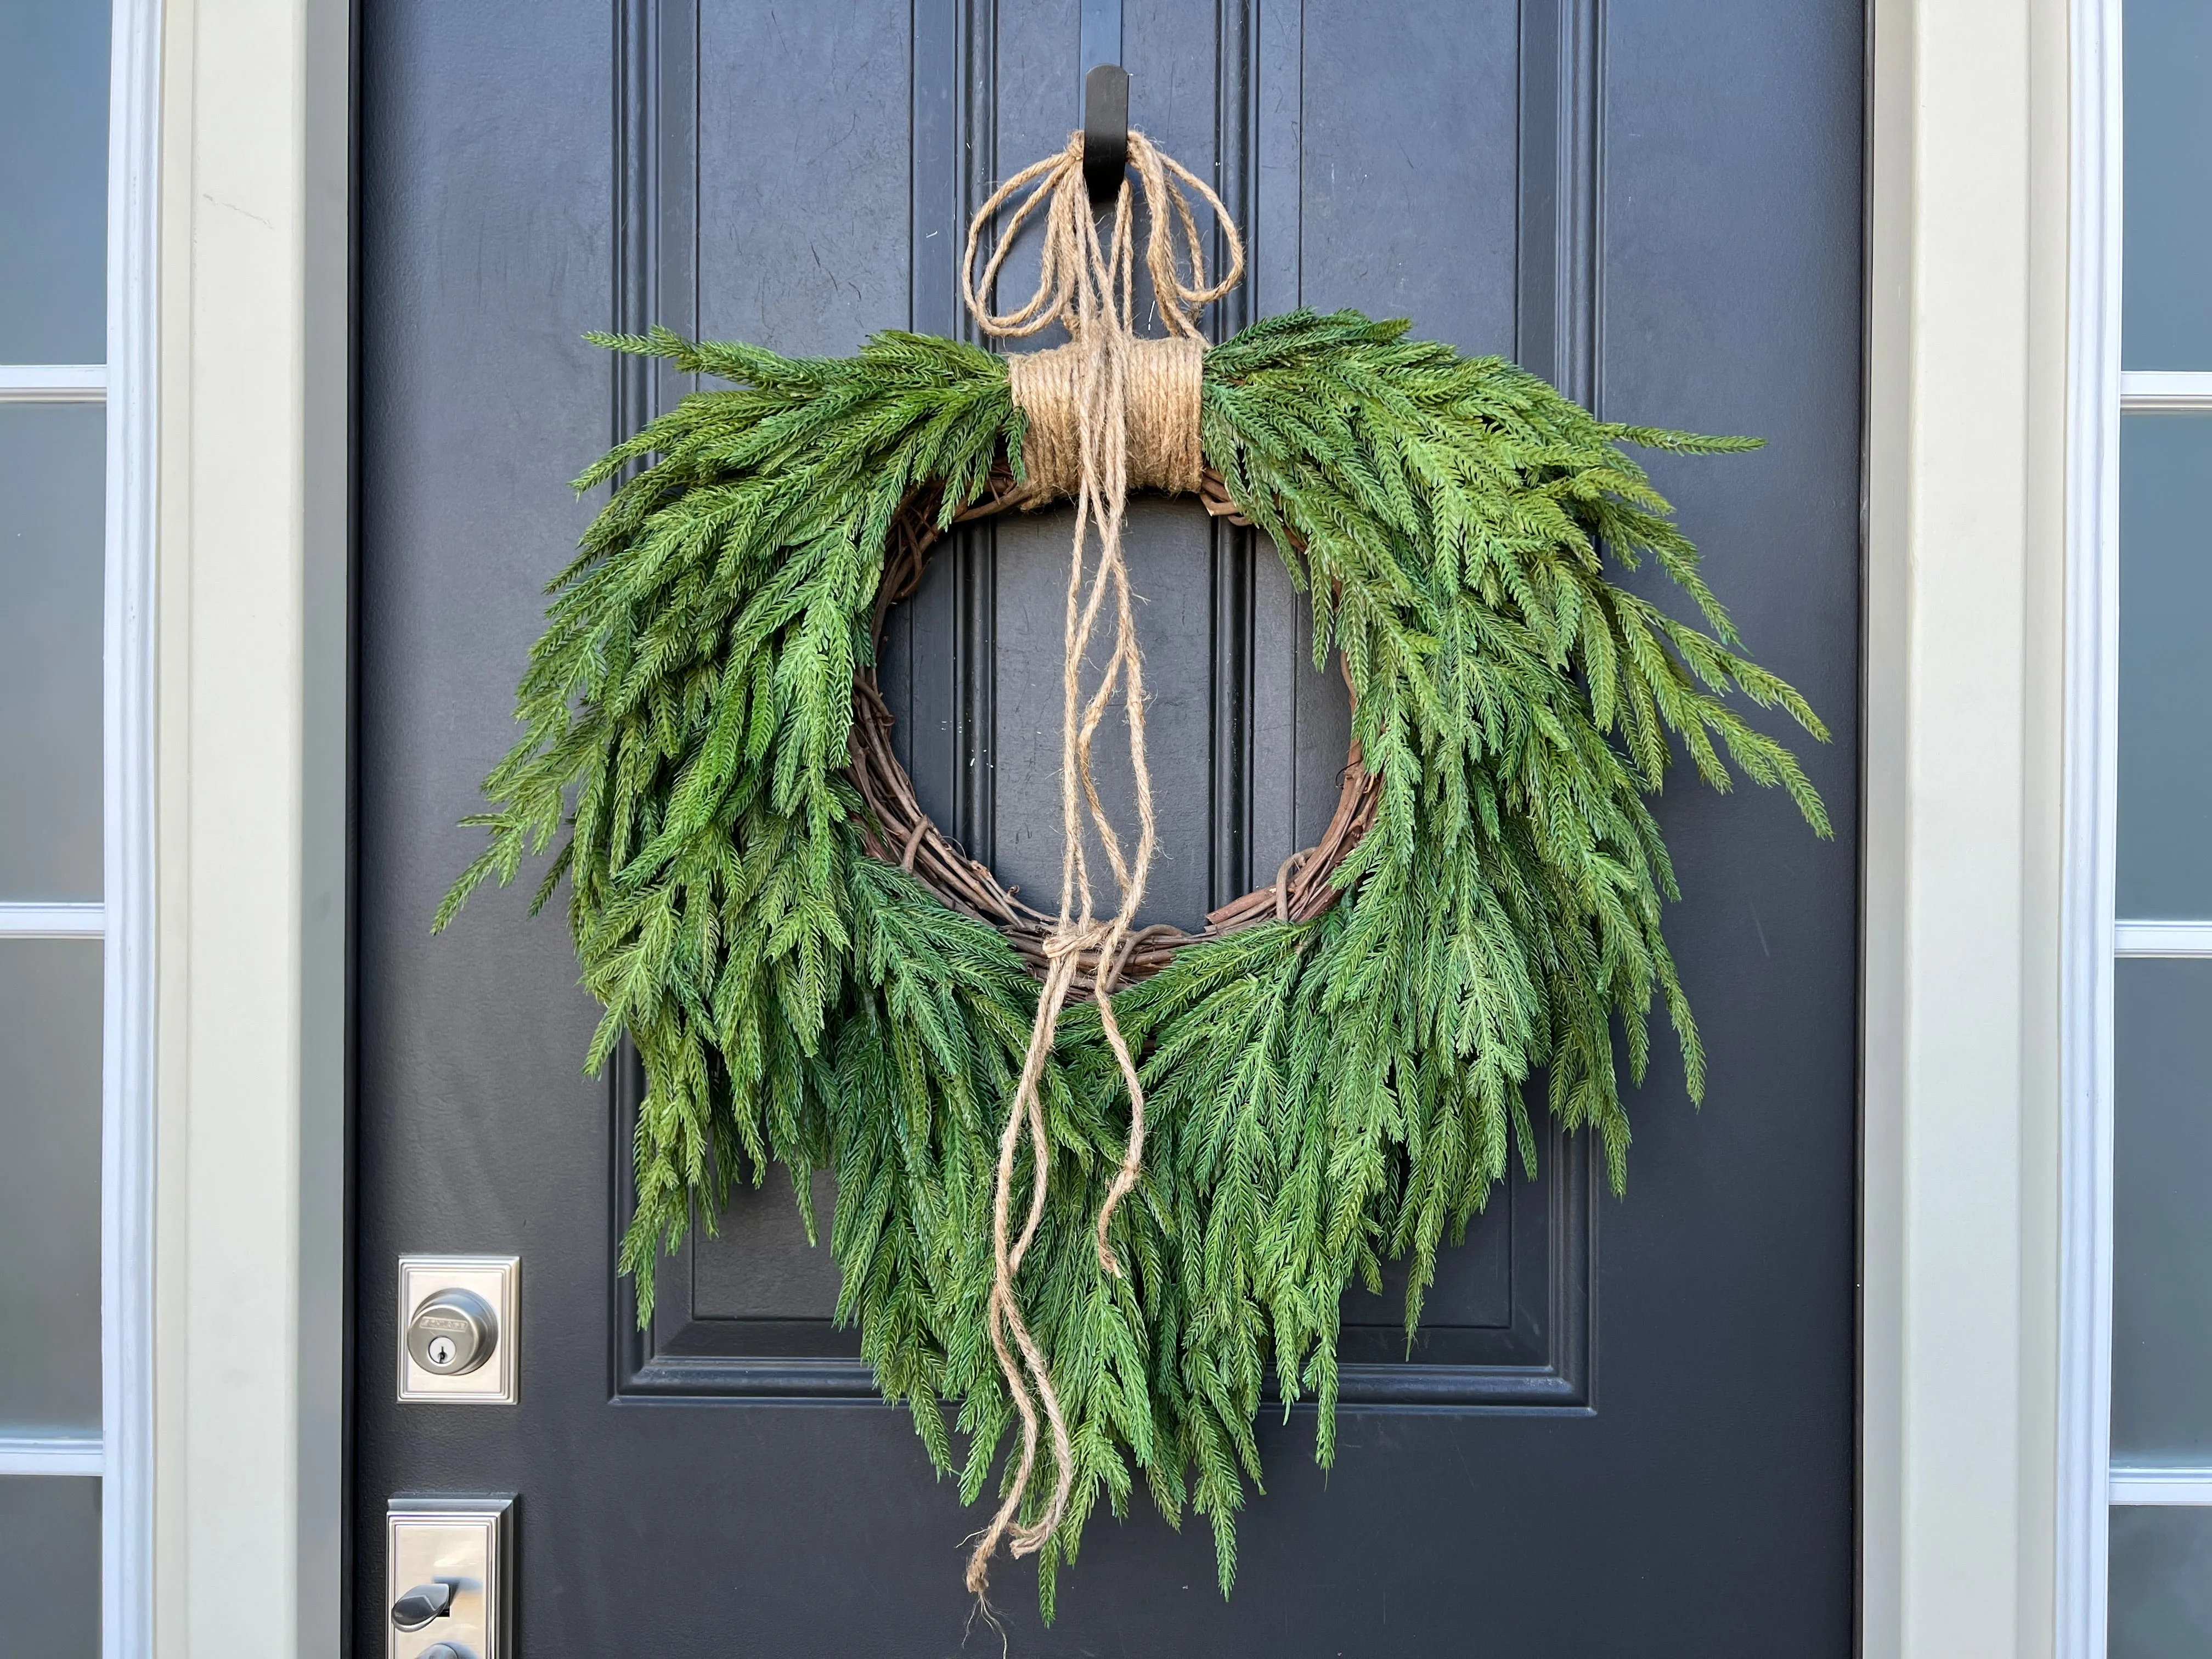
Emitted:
pixel 1107 413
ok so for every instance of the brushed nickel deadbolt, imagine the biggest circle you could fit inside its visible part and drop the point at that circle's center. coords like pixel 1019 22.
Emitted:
pixel 457 1327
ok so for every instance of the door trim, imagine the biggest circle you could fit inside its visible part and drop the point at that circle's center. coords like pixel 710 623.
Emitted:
pixel 131 385
pixel 2096 388
pixel 247 499
pixel 1965 640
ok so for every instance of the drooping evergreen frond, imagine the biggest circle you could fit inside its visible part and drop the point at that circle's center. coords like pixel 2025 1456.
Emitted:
pixel 1322 1097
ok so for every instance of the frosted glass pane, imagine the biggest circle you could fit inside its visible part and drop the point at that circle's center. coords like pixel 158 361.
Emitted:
pixel 49 1185
pixel 2162 1213
pixel 2165 665
pixel 53 181
pixel 2166 322
pixel 52 460
pixel 2161 1582
pixel 50 1566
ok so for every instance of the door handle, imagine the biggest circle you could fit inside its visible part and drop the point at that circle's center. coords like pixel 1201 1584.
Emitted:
pixel 449 1579
pixel 421 1605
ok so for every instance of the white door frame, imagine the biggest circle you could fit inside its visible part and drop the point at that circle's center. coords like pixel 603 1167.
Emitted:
pixel 1967 630
pixel 127 1130
pixel 251 472
pixel 1965 627
pixel 2092 669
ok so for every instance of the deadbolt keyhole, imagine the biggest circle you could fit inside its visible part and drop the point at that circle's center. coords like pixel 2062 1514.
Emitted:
pixel 452 1332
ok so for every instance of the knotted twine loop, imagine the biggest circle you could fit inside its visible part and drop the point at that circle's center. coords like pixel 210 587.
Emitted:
pixel 1107 413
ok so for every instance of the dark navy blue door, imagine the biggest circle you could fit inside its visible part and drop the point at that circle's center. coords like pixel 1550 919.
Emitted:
pixel 1626 1426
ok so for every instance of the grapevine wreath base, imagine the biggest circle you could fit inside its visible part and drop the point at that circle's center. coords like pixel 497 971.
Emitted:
pixel 1097 1227
pixel 894 827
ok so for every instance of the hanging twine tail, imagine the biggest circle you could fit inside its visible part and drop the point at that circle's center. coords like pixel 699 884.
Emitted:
pixel 1106 413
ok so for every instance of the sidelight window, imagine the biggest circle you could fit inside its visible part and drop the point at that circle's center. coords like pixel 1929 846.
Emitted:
pixel 74 499
pixel 2156 1103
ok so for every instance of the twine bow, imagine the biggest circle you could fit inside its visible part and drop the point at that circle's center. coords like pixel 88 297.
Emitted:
pixel 1107 412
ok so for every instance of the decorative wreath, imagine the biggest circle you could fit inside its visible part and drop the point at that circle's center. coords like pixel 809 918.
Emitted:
pixel 1334 1072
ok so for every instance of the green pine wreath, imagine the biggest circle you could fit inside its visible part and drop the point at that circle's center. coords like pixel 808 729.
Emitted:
pixel 1325 1092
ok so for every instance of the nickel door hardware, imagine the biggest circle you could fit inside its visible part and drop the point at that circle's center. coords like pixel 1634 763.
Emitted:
pixel 457 1327
pixel 449 1577
pixel 421 1604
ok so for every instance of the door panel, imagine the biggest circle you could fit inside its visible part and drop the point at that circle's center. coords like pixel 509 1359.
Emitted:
pixel 1653 202
pixel 972 663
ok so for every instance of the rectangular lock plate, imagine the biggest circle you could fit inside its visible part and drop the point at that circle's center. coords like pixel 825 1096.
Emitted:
pixel 498 1280
pixel 466 1544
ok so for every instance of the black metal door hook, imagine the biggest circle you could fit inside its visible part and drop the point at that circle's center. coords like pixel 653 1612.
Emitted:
pixel 1105 130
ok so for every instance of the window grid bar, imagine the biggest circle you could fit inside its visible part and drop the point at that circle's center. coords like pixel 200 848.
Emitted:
pixel 53 383
pixel 2142 390
pixel 40 920
pixel 2162 938
pixel 60 1453
pixel 2190 1488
